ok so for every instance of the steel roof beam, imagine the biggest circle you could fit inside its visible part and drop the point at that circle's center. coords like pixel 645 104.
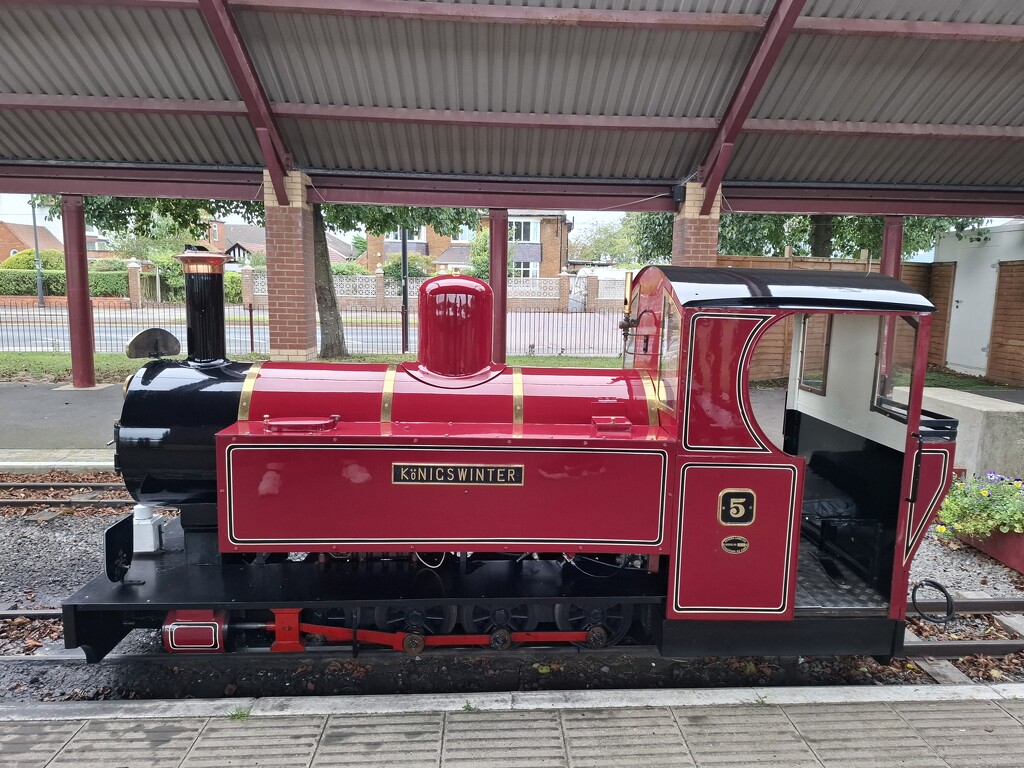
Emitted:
pixel 236 56
pixel 203 107
pixel 870 201
pixel 585 17
pixel 769 46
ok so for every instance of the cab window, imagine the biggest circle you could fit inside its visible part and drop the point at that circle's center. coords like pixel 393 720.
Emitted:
pixel 668 357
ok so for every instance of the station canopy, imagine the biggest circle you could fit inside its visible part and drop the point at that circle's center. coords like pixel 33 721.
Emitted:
pixel 832 106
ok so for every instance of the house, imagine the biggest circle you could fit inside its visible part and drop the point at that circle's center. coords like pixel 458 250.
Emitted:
pixel 19 237
pixel 240 241
pixel 538 244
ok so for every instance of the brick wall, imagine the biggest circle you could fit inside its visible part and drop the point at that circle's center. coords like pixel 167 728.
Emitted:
pixel 554 241
pixel 695 237
pixel 1006 350
pixel 9 242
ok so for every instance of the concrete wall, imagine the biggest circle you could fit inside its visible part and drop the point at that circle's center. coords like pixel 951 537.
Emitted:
pixel 971 334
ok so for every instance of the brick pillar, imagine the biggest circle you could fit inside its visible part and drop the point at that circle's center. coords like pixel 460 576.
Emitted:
pixel 134 283
pixel 695 237
pixel 382 297
pixel 247 295
pixel 563 291
pixel 593 287
pixel 291 300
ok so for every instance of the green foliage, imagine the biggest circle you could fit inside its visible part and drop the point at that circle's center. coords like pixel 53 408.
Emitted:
pixel 232 288
pixel 763 234
pixel 51 259
pixel 768 235
pixel 480 255
pixel 609 242
pixel 650 235
pixel 108 283
pixel 256 260
pixel 359 244
pixel 381 219
pixel 147 217
pixel 979 506
pixel 419 266
pixel 172 278
pixel 19 282
pixel 22 282
pixel 349 268
pixel 108 265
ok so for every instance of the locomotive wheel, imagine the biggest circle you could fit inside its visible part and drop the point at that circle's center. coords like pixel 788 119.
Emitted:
pixel 432 620
pixel 615 620
pixel 483 620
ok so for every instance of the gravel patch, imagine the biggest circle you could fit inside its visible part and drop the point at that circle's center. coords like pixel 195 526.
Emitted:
pixel 41 563
pixel 964 569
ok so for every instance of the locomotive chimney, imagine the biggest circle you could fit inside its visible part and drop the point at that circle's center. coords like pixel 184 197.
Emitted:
pixel 455 325
pixel 204 305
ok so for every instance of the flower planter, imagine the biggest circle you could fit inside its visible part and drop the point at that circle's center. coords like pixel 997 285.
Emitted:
pixel 1007 548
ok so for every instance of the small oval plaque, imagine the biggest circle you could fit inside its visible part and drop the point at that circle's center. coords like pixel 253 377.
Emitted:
pixel 735 545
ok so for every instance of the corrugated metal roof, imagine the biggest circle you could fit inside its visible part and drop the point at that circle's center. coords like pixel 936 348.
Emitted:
pixel 970 11
pixel 119 51
pixel 501 68
pixel 671 6
pixel 904 81
pixel 501 151
pixel 126 138
pixel 98 51
pixel 876 161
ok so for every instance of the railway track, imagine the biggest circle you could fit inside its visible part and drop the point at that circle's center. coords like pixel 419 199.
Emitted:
pixel 82 495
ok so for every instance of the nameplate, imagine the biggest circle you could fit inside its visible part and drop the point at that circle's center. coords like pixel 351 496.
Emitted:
pixel 456 474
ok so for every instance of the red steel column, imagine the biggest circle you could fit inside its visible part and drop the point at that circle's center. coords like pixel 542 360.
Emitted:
pixel 499 279
pixel 892 246
pixel 76 270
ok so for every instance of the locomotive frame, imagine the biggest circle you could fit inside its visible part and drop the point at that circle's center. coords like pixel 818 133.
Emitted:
pixel 539 505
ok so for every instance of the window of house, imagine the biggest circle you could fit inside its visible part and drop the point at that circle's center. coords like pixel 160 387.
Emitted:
pixel 214 232
pixel 466 235
pixel 668 358
pixel 524 230
pixel 415 236
pixel 894 365
pixel 525 269
pixel 814 346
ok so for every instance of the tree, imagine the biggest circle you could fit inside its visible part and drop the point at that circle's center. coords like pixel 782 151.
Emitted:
pixel 650 235
pixel 419 266
pixel 606 242
pixel 480 255
pixel 768 234
pixel 359 245
pixel 140 216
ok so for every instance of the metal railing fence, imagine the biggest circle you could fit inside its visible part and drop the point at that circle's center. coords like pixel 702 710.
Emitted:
pixel 25 327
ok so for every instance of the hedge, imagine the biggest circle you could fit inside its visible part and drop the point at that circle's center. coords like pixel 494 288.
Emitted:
pixel 22 282
pixel 232 288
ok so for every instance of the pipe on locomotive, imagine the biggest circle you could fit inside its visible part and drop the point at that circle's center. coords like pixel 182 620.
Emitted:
pixel 204 306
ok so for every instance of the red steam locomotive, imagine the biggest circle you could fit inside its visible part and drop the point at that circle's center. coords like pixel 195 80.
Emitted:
pixel 454 501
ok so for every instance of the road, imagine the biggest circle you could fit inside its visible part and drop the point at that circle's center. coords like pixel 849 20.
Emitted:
pixel 538 333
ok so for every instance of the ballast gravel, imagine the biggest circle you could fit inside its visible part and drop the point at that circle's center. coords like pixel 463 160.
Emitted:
pixel 43 562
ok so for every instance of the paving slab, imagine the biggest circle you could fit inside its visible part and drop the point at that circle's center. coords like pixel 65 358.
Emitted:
pixel 815 728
